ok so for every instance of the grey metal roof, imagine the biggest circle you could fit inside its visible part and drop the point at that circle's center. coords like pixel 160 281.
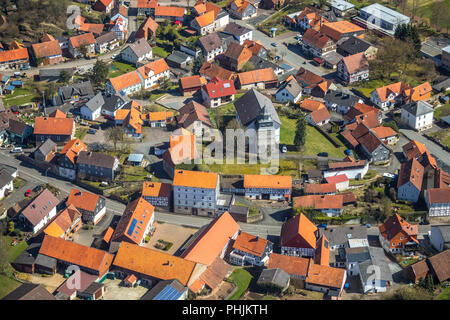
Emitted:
pixel 354 45
pixel 339 235
pixel 136 157
pixel 46 73
pixel 242 210
pixel 252 104
pixel 332 57
pixel 341 5
pixel 379 11
pixel 5 177
pixel 45 261
pixel 358 254
pixel 274 276
pixel 442 84
pixel 106 37
pixel 225 38
pixel 292 87
pixel 93 288
pixel 178 57
pixel 446 119
pixel 378 261
pixel 96 102
pixel 29 255
pixel 447 49
pixel 340 98
pixel 418 108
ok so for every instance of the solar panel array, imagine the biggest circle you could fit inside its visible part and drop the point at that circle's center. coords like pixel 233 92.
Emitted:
pixel 132 226
pixel 168 293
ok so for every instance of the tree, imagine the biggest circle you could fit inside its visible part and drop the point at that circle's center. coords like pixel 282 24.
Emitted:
pixel 99 73
pixel 115 134
pixel 165 84
pixel 233 124
pixel 83 49
pixel 300 132
pixel 51 90
pixel 64 76
pixel 10 226
pixel 386 208
pixel 4 256
pixel 197 64
pixel 393 194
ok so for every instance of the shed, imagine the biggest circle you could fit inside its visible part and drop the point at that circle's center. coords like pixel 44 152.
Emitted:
pixel 135 159
pixel 239 213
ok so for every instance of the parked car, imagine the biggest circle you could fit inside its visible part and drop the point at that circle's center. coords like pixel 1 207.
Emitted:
pixel 92 131
pixel 274 44
pixel 25 67
pixel 322 154
pixel 368 225
pixel 284 149
pixel 27 193
pixel 323 225
pixel 277 58
pixel 16 150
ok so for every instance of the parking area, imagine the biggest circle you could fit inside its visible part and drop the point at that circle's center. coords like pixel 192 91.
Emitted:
pixel 114 291
pixel 152 137
pixel 177 235
pixel 97 137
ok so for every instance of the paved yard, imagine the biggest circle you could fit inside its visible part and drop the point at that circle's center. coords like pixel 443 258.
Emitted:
pixel 220 293
pixel 178 235
pixel 152 136
pixel 174 101
pixel 51 283
pixel 116 292
pixel 98 137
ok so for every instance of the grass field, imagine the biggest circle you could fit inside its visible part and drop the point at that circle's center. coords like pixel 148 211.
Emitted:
pixel 443 136
pixel 316 142
pixel 118 68
pixel 7 285
pixel 287 130
pixel 241 278
pixel 442 111
pixel 160 52
pixel 133 173
pixel 21 96
pixel 80 133
pixel 445 294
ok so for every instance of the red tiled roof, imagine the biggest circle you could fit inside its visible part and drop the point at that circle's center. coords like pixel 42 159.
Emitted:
pixel 219 88
pixel 13 55
pixel 47 49
pixel 83 200
pixel 395 224
pixel 438 195
pixel 85 38
pixel 323 188
pixel 249 243
pixel 337 179
pixel 315 38
pixel 325 276
pixel 53 126
pixel 289 264
pixel 256 76
pixel 298 231
pixel 411 171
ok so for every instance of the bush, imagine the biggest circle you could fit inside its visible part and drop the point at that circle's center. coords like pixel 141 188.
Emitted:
pixel 147 239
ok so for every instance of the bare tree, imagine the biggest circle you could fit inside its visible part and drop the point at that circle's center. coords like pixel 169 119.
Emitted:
pixel 115 134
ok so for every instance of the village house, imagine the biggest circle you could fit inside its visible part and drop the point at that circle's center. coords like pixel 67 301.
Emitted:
pixel 260 78
pixel 331 205
pixel 171 13
pixel 67 222
pixel 211 19
pixel 240 33
pixel 319 117
pixel 340 101
pixel 14 58
pixel 256 48
pixel 211 71
pixel 353 68
pixel 317 44
pixel 439 266
pixel 193 117
pixel 298 237
pixel 67 291
pixel 256 111
pixel 83 44
pixel 341 29
pixel 97 166
pixel 30 291
pixel 90 205
pixel 386 134
pixel 103 6
pixel 157 194
pixel 182 149
pixel 67 158
pixel 90 260
pixel 178 59
pixel 268 187
pixel 290 90
pixel 295 267
pixel 314 84
pixel 241 9
pixel 212 241
pixel 167 290
pixel 153 73
pixel 119 22
pixel 39 211
pixel 308 18
pixel 398 236
pixel 19 131
pixel 147 29
pixel 48 52
pixel 310 105
pixel 151 266
pixel 211 46
pixel 326 279
pixel 250 249
pixel 274 278
pixel 112 104
pixel 218 92
pixel 418 115
pixel 341 8
pixel 386 96
pixel 384 279
pixel 341 181
pixel 354 45
pixel 235 57
pixel 146 7
pixel 319 188
pixel 46 151
pixel 106 42
pixel 438 202
pixel 76 92
pixel 138 51
pixel 351 168
pixel 7 176
pixel 60 130
pixel 92 109
pixel 440 237
pixel 135 222
pixel 196 192
pixel 158 119
pixel 127 84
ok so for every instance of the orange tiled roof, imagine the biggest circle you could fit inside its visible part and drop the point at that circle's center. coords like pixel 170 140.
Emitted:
pixel 320 115
pixel 322 252
pixel 170 11
pixel 211 241
pixel 325 276
pixel 159 116
pixel 134 221
pixel 298 226
pixel 85 38
pixel 153 263
pixel 384 132
pixel 213 71
pixel 385 91
pixel 192 81
pixel 63 222
pixel 205 19
pixel 315 188
pixel 108 234
pixel 74 253
pixel 13 55
pixel 247 242
pixel 335 30
pixel 319 202
pixel 73 148
pixel 195 179
pixel 155 189
pixel 395 224
pixel 53 126
pixel 289 264
pixel 82 200
pixel 421 92
pixel 125 80
pixel 311 105
pixel 157 66
pixel 255 76
pixel 200 8
pixel 57 114
pixel 147 4
pixel 46 49
pixel 267 181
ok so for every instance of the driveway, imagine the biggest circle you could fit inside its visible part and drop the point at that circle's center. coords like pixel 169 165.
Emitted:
pixel 174 100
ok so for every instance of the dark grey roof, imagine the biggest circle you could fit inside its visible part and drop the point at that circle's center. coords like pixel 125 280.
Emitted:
pixel 113 103
pixel 292 87
pixel 241 210
pixel 252 104
pixel 29 255
pixel 45 261
pixel 48 146
pixel 17 127
pixel 96 102
pixel 29 291
pixel 274 276
pixel 178 57
pixel 93 288
pixel 329 16
pixel 236 29
pixel 261 63
pixel 140 47
pixel 354 45
pixel 222 13
pixel 377 259
pixel 315 173
pixel 96 159
pixel 418 108
pixel 433 46
pixel 332 58
pixel 340 98
pixel 161 285
pixel 5 177
pixel 358 254
pixel 106 37
pixel 210 42
pixel 225 38
pixel 442 84
pixel 54 73
pixel 445 232
pixel 339 235
pixel 82 89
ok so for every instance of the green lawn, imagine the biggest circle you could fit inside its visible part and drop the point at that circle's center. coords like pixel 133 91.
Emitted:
pixel 366 87
pixel 287 130
pixel 241 278
pixel 7 285
pixel 316 143
pixel 442 111
pixel 443 136
pixel 160 52
pixel 21 96
pixel 133 173
pixel 118 68
pixel 80 133
pixel 445 294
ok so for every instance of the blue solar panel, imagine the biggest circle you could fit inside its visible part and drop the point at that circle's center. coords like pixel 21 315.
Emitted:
pixel 133 224
pixel 168 293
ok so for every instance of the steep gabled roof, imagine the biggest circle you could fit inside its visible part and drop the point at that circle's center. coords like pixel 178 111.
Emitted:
pixel 251 104
pixel 411 171
pixel 298 230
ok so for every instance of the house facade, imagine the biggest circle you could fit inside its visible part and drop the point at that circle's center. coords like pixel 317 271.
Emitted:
pixel 268 187
pixel 438 202
pixel 418 115
pixel 250 250
pixel 91 206
pixel 97 166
